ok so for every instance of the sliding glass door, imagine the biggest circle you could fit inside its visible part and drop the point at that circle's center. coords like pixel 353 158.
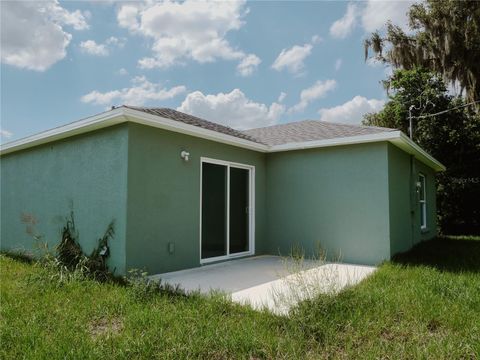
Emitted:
pixel 226 216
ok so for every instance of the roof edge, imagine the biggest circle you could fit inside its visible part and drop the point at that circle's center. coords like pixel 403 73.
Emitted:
pixel 409 146
pixel 123 114
pixel 157 121
pixel 397 138
pixel 347 140
pixel 120 115
pixel 99 121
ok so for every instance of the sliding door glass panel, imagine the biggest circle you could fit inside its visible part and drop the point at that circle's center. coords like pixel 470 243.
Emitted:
pixel 214 214
pixel 239 210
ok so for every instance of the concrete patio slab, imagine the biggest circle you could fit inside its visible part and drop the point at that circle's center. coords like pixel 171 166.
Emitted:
pixel 270 282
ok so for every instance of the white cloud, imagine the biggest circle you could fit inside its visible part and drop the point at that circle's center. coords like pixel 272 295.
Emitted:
pixel 341 28
pixel 114 41
pixel 352 111
pixel 189 30
pixel 292 59
pixel 372 15
pixel 92 48
pixel 32 33
pixel 122 71
pixel 375 14
pixel 233 109
pixel 282 97
pixel 248 65
pixel 338 64
pixel 127 17
pixel 314 92
pixel 5 133
pixel 139 93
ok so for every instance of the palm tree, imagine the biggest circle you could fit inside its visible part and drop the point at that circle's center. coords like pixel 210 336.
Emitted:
pixel 444 38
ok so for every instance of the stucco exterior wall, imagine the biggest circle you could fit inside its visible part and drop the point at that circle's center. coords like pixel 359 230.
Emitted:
pixel 87 173
pixel 336 197
pixel 403 171
pixel 164 197
pixel 358 202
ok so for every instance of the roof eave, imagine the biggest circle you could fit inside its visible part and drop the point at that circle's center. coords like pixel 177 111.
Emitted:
pixel 99 121
pixel 144 118
pixel 120 115
pixel 395 137
pixel 409 146
pixel 124 114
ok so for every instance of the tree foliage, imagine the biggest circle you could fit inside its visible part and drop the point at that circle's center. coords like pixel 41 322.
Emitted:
pixel 452 137
pixel 444 38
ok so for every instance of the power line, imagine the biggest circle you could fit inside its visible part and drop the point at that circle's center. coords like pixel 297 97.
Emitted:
pixel 445 111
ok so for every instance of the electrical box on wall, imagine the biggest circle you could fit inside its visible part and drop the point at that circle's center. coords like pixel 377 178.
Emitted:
pixel 171 247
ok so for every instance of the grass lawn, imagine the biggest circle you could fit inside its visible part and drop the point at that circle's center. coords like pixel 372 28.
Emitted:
pixel 424 304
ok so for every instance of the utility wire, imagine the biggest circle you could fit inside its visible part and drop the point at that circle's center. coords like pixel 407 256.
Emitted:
pixel 445 111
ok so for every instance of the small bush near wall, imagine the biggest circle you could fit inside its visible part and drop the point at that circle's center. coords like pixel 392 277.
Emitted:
pixel 68 257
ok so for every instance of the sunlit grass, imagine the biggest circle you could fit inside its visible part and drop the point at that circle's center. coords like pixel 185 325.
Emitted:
pixel 424 304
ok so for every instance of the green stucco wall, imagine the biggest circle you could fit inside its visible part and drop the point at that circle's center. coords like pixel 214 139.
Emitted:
pixel 336 197
pixel 164 197
pixel 358 202
pixel 86 172
pixel 404 207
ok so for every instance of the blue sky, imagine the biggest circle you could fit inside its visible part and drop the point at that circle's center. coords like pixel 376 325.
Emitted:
pixel 241 64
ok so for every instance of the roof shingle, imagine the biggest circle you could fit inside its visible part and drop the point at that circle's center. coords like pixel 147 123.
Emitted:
pixel 310 130
pixel 192 120
pixel 300 131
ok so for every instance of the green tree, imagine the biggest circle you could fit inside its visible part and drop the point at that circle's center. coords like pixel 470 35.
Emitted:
pixel 444 38
pixel 452 137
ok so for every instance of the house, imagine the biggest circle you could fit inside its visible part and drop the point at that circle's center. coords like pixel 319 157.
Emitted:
pixel 184 191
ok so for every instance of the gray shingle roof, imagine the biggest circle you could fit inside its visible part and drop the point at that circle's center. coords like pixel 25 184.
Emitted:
pixel 310 130
pixel 300 131
pixel 193 120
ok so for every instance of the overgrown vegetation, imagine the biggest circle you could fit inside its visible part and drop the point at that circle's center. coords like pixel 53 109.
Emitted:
pixel 69 253
pixel 442 47
pixel 452 137
pixel 424 304
pixel 68 259
pixel 444 38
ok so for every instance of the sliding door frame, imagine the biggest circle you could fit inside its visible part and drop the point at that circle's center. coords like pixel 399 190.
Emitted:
pixel 251 209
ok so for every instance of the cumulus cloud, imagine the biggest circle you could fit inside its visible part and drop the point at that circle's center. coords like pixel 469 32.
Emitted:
pixel 248 65
pixel 33 35
pixel 139 93
pixel 372 15
pixel 282 97
pixel 292 59
pixel 341 28
pixel 376 13
pixel 189 30
pixel 92 48
pixel 352 111
pixel 314 92
pixel 233 109
pixel 5 133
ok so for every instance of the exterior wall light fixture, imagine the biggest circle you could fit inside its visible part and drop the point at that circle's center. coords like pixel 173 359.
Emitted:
pixel 185 155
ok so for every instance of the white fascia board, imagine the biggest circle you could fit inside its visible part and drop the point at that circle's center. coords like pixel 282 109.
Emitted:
pixel 409 146
pixel 395 137
pixel 143 118
pixel 102 120
pixel 123 114
pixel 349 140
